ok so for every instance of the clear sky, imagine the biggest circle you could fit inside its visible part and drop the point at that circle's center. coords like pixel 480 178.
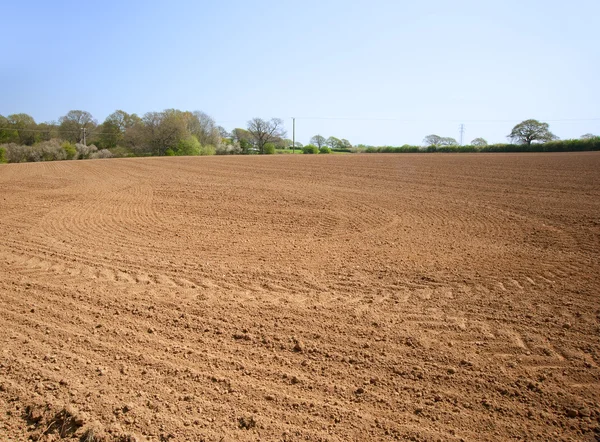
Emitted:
pixel 393 71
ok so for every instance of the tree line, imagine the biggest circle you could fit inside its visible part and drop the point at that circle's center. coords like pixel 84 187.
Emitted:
pixel 78 135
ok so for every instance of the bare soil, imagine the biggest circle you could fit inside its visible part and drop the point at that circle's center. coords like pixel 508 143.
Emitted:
pixel 323 298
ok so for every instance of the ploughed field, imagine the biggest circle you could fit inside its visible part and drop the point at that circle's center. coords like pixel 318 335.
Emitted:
pixel 323 298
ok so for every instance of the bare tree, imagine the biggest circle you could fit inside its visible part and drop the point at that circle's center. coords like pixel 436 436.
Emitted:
pixel 264 132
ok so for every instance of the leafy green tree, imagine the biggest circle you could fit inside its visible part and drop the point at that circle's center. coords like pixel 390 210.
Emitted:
pixel 324 149
pixel 23 127
pixel 529 131
pixel 334 143
pixel 112 131
pixel 243 138
pixel 6 133
pixel 75 124
pixel 163 130
pixel 432 140
pixel 264 132
pixel 47 131
pixel 479 142
pixel 318 141
pixel 448 141
pixel 435 140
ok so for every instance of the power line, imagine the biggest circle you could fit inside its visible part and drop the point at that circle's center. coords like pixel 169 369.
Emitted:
pixel 62 131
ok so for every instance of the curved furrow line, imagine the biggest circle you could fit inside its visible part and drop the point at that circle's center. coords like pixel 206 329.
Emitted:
pixel 42 266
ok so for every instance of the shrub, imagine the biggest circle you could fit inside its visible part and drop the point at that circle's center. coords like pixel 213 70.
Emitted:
pixel 324 149
pixel 51 150
pixel 209 149
pixel 228 149
pixel 16 153
pixel 70 150
pixel 101 154
pixel 310 149
pixel 2 155
pixel 84 152
pixel 187 147
pixel 269 149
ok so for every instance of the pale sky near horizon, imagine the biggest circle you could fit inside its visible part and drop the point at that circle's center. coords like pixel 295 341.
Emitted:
pixel 374 72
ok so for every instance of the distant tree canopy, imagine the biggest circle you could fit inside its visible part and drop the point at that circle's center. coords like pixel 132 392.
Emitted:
pixel 589 136
pixel 176 132
pixel 75 124
pixel 318 141
pixel 479 142
pixel 529 131
pixel 436 140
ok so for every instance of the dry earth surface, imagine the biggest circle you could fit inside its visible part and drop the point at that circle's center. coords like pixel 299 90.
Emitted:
pixel 323 298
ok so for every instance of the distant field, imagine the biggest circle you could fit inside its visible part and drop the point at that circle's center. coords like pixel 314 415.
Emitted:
pixel 301 297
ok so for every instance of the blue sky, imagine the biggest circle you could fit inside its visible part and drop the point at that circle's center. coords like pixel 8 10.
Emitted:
pixel 387 72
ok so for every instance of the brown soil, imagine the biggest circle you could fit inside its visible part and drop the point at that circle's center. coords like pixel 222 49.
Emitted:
pixel 323 298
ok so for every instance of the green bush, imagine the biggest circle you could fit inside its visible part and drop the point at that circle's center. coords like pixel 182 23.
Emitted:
pixel 70 150
pixel 324 149
pixel 189 146
pixel 269 149
pixel 2 155
pixel 209 149
pixel 310 149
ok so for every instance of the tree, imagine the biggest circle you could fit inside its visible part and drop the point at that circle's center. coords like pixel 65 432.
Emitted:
pixel 432 140
pixel 24 128
pixel 47 131
pixel 529 131
pixel 205 129
pixel 436 140
pixel 164 130
pixel 243 138
pixel 75 124
pixel 264 132
pixel 589 136
pixel 334 143
pixel 448 141
pixel 112 131
pixel 318 141
pixel 223 132
pixel 480 142
pixel 346 144
pixel 6 134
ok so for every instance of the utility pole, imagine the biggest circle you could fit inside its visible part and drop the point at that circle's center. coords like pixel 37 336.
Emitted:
pixel 293 134
pixel 462 131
